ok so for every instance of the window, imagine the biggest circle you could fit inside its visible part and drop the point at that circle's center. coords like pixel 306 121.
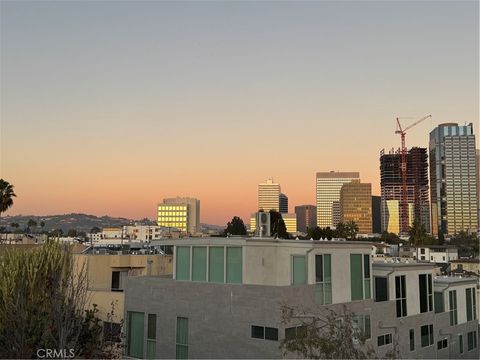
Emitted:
pixel 361 323
pixel 199 263
pixel 384 339
pixel 135 334
pixel 442 344
pixel 401 296
pixel 299 266
pixel 151 336
pixel 216 264
pixel 452 299
pixel 181 340
pixel 422 251
pixel 381 288
pixel 471 340
pixel 264 333
pixel 425 289
pixel 438 300
pixel 460 343
pixel 426 333
pixel 412 339
pixel 182 263
pixel 471 300
pixel 296 331
pixel 118 277
pixel 234 265
pixel 360 276
pixel 323 279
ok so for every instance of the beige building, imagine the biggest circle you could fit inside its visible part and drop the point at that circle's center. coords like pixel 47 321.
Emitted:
pixel 328 186
pixel 269 196
pixel 180 213
pixel 356 205
pixel 106 276
pixel 466 265
pixel 290 221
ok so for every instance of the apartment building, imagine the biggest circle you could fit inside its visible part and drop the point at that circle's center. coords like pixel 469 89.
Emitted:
pixel 225 296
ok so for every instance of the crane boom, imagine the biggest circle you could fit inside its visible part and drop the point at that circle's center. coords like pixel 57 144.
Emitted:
pixel 416 122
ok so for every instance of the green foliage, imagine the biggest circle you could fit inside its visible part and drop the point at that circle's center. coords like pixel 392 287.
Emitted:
pixel 467 244
pixel 390 238
pixel 419 236
pixel 42 300
pixel 329 335
pixel 6 195
pixel 31 223
pixel 236 227
pixel 320 233
pixel 347 230
pixel 277 225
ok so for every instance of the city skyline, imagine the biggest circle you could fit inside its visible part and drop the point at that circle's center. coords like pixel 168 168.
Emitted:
pixel 104 118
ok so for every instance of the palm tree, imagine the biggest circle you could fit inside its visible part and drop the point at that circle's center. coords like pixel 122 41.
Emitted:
pixel 6 195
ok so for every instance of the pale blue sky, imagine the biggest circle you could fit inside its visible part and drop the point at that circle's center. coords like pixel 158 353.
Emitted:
pixel 184 88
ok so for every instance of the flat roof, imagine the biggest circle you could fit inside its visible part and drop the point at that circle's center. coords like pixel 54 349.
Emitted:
pixel 454 279
pixel 471 261
pixel 401 265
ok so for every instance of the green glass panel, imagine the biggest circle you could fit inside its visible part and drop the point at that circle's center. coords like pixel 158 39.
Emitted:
pixel 368 291
pixel 234 265
pixel 438 301
pixel 182 352
pixel 216 265
pixel 356 272
pixel 328 293
pixel 152 327
pixel 327 264
pixel 135 334
pixel 183 263
pixel 151 349
pixel 199 263
pixel 299 270
pixel 182 331
pixel 319 294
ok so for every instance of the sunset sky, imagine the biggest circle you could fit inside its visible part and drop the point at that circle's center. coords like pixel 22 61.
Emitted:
pixel 108 107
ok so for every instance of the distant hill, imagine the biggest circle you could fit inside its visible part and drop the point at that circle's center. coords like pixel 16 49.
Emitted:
pixel 79 222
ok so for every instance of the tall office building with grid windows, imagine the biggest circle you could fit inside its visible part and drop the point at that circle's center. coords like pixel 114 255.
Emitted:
pixel 328 186
pixel 269 196
pixel 453 179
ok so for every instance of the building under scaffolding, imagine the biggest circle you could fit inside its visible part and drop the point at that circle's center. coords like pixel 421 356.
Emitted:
pixel 418 206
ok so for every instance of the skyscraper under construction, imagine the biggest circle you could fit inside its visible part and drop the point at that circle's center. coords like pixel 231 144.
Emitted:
pixel 417 196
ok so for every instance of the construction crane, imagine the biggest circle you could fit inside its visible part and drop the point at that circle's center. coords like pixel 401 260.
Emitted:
pixel 402 132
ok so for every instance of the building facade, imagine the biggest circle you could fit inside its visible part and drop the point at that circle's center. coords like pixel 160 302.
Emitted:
pixel 290 221
pixel 283 203
pixel 376 214
pixel 453 179
pixel 180 213
pixel 269 196
pixel 306 217
pixel 356 205
pixel 219 302
pixel 417 196
pixel 328 186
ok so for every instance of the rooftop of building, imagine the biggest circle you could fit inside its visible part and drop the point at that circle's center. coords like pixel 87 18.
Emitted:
pixel 391 263
pixel 469 261
pixel 435 246
pixel 444 279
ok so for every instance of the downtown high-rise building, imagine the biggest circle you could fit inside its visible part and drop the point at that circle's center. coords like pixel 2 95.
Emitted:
pixel 283 203
pixel 418 206
pixel 328 186
pixel 269 196
pixel 306 217
pixel 356 205
pixel 180 213
pixel 453 179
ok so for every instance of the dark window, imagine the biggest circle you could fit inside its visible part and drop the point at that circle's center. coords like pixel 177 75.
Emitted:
pixel 460 343
pixel 152 326
pixel 366 266
pixel 471 340
pixel 425 289
pixel 422 251
pixel 258 332
pixel 442 344
pixel 381 289
pixel 271 333
pixel 318 268
pixel 438 297
pixel 290 333
pixel 384 339
pixel 401 296
pixel 412 339
pixel 426 332
pixel 115 280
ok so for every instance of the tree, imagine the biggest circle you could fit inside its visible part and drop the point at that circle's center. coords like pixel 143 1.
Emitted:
pixel 277 225
pixel 390 238
pixel 31 223
pixel 418 234
pixel 330 335
pixel 6 196
pixel 466 243
pixel 236 227
pixel 44 304
pixel 72 233
pixel 42 225
pixel 95 230
pixel 320 233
